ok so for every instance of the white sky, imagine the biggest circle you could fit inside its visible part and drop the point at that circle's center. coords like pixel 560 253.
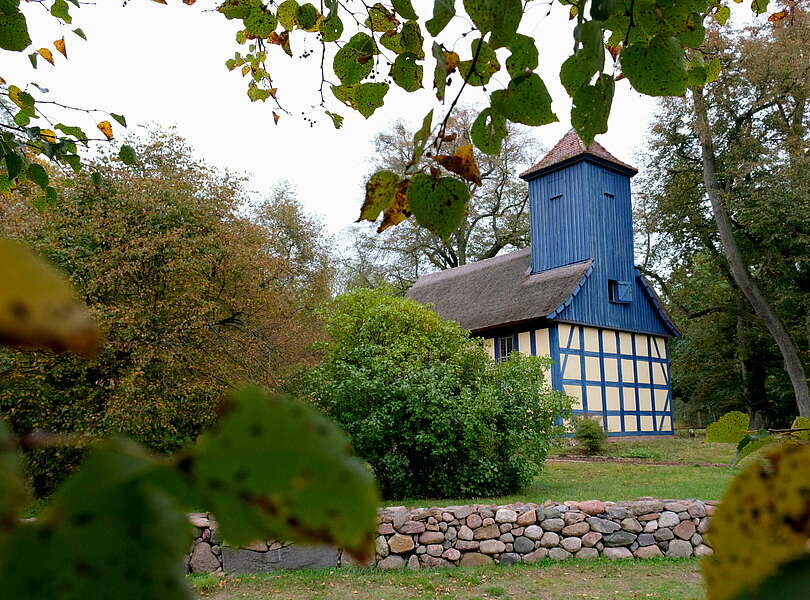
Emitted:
pixel 165 64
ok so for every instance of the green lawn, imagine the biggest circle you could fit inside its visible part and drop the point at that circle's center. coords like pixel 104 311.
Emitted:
pixel 686 450
pixel 660 579
pixel 561 481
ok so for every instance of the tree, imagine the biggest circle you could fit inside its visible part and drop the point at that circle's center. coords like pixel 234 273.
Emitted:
pixel 731 189
pixel 426 407
pixel 496 218
pixel 371 47
pixel 194 300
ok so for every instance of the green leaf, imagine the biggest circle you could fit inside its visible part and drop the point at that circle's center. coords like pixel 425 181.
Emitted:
pixel 486 65
pixel 524 56
pixel 78 31
pixel 722 14
pixel 439 205
pixel 306 16
pixel 101 515
pixel 526 100
pixel 363 97
pixel 440 72
pixel 408 40
pixel 501 17
pixel 331 28
pixel 488 131
pixel 337 120
pixel 260 23
pixel 601 10
pixel 591 108
pixel 33 57
pixel 696 76
pixel 74 131
pixel 381 19
pixel 60 10
pixel 37 174
pixel 655 68
pixel 753 442
pixel 14 164
pixel 406 73
pixel 693 34
pixel 286 13
pixel 443 11
pixel 120 119
pixel 239 9
pixel 13 27
pixel 75 162
pixel 353 62
pixel 404 8
pixel 713 68
pixel 759 6
pixel 96 178
pixel 729 429
pixel 127 155
pixel 310 488
pixel 421 137
pixel 380 190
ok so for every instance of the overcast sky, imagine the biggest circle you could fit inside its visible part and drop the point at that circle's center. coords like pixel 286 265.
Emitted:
pixel 164 64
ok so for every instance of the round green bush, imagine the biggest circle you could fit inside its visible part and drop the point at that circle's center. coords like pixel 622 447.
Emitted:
pixel 589 434
pixel 425 405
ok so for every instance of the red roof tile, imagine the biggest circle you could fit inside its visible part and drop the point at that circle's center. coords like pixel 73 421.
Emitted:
pixel 570 146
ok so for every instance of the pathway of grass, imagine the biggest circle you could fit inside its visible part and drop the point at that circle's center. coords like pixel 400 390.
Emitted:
pixel 660 579
pixel 561 481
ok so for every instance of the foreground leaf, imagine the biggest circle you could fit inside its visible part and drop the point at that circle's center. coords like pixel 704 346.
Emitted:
pixel 438 204
pixel 591 109
pixel 13 491
pixel 655 68
pixel 526 100
pixel 38 307
pixel 762 523
pixel 501 17
pixel 113 523
pixel 488 131
pixel 380 190
pixel 276 469
pixel 443 11
pixel 365 98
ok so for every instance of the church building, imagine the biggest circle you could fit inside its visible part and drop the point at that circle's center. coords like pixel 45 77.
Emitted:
pixel 574 296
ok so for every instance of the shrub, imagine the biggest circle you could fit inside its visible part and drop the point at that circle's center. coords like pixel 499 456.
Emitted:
pixel 589 434
pixel 425 405
pixel 729 429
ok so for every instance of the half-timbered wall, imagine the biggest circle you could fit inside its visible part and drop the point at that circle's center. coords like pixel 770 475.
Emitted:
pixel 619 377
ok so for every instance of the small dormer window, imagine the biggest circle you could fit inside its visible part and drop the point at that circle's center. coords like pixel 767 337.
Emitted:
pixel 505 347
pixel 620 292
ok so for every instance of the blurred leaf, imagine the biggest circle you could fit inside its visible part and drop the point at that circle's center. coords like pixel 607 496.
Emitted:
pixel 38 307
pixel 790 582
pixel 722 14
pixel 753 442
pixel 761 525
pixel 13 491
pixel 438 204
pixel 37 174
pixel 111 524
pixel 801 423
pixel 127 155
pixel 312 490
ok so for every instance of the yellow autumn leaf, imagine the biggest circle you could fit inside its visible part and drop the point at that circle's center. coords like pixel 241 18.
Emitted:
pixel 106 128
pixel 275 118
pixel 46 54
pixel 461 162
pixel 398 211
pixel 245 70
pixel 189 2
pixel 49 135
pixel 60 46
pixel 451 61
pixel 38 307
pixel 762 522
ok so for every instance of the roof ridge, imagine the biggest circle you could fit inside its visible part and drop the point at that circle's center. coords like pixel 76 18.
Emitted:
pixel 476 265
pixel 571 146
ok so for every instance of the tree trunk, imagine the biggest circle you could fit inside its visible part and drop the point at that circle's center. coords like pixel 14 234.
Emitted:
pixel 743 279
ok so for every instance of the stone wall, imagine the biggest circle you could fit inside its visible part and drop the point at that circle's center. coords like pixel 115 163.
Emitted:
pixel 478 535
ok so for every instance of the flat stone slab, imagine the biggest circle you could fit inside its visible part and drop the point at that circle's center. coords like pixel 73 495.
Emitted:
pixel 290 557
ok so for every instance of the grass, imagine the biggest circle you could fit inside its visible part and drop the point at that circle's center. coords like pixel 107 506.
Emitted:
pixel 658 579
pixel 685 450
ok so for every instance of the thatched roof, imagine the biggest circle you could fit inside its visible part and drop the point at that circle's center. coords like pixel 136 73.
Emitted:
pixel 569 147
pixel 498 291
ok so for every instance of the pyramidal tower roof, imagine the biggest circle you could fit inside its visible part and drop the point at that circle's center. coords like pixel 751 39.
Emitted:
pixel 571 147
